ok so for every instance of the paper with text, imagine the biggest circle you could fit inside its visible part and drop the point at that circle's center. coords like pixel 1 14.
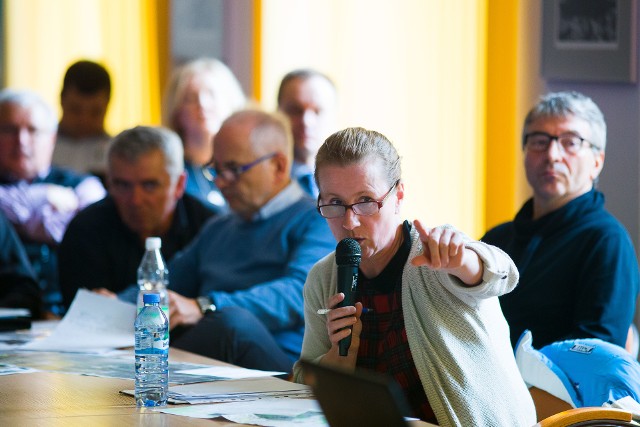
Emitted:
pixel 266 412
pixel 93 323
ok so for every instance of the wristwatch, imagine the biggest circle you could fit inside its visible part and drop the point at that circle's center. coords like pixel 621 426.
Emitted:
pixel 205 304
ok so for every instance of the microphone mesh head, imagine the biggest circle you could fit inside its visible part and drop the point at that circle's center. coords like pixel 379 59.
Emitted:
pixel 348 252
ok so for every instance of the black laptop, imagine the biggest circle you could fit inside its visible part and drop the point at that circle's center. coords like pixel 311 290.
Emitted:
pixel 356 399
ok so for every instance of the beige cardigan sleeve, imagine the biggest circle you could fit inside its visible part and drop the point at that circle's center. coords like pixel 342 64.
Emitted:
pixel 321 283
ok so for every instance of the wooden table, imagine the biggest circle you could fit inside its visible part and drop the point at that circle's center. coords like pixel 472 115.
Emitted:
pixel 57 399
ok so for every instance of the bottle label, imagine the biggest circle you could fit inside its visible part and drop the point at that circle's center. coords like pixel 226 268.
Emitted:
pixel 164 308
pixel 161 342
pixel 164 299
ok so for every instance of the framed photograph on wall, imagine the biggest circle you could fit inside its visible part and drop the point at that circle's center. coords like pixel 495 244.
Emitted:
pixel 589 40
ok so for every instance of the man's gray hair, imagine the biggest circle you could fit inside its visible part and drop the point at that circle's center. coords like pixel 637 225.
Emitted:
pixel 131 144
pixel 570 103
pixel 28 99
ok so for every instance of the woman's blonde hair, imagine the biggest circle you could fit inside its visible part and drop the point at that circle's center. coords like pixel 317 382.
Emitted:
pixel 356 145
pixel 227 89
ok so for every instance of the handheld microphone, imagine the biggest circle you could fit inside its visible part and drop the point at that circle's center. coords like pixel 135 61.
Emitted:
pixel 348 255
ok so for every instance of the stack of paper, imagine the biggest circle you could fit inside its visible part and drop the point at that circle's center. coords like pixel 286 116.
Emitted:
pixel 231 384
pixel 265 412
pixel 235 390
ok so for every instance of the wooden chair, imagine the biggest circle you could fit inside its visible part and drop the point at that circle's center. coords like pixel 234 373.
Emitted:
pixel 592 416
pixel 553 412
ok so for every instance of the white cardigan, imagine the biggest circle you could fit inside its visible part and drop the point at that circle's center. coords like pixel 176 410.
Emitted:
pixel 457 334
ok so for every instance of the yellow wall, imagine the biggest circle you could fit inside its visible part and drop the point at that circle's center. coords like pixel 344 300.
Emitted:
pixel 502 130
pixel 43 37
pixel 445 80
pixel 513 85
pixel 411 69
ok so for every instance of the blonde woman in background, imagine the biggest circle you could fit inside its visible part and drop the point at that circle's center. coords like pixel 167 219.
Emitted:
pixel 200 96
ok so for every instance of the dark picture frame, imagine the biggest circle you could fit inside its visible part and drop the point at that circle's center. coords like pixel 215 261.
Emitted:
pixel 589 40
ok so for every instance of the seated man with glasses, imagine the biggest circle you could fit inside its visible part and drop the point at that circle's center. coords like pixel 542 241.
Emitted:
pixel 37 198
pixel 236 290
pixel 578 270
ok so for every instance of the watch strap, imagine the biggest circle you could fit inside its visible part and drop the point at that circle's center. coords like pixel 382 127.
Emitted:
pixel 206 304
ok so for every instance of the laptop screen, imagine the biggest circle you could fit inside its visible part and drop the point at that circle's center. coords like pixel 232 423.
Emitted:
pixel 356 399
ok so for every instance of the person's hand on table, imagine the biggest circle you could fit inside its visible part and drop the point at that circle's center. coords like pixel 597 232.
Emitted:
pixel 183 310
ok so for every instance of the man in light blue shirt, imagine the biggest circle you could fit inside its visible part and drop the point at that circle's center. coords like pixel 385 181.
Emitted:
pixel 236 290
pixel 309 99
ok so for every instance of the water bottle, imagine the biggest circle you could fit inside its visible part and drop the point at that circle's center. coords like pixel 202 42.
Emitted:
pixel 152 354
pixel 153 275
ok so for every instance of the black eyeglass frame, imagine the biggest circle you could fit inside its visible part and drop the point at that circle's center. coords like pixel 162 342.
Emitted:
pixel 551 138
pixel 235 171
pixel 379 203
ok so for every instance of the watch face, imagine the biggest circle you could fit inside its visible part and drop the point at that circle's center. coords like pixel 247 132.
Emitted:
pixel 205 304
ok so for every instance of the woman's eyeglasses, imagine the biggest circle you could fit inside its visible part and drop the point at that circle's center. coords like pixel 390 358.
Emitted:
pixel 368 208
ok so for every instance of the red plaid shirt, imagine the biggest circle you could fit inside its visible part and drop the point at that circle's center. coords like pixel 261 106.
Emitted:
pixel 383 341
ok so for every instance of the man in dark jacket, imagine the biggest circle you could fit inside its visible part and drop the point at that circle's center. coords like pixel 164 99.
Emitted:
pixel 18 288
pixel 578 268
pixel 104 244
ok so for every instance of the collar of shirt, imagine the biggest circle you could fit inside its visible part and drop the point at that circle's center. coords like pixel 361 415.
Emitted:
pixel 285 198
pixel 43 174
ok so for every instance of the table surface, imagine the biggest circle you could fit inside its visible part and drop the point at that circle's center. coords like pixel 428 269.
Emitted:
pixel 58 399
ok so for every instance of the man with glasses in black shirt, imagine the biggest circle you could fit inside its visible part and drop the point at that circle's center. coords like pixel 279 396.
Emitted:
pixel 578 269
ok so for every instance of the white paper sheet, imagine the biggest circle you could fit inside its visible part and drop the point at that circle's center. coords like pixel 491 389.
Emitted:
pixel 93 323
pixel 251 385
pixel 264 412
pixel 14 312
pixel 230 372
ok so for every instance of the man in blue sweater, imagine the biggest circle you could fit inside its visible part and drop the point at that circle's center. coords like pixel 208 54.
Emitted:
pixel 236 290
pixel 578 268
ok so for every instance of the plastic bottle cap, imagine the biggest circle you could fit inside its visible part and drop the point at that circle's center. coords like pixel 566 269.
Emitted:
pixel 151 298
pixel 153 243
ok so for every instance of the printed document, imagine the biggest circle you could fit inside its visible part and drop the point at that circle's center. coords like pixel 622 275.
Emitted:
pixel 93 323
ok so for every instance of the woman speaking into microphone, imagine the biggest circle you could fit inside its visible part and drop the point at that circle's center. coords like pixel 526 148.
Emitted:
pixel 425 308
